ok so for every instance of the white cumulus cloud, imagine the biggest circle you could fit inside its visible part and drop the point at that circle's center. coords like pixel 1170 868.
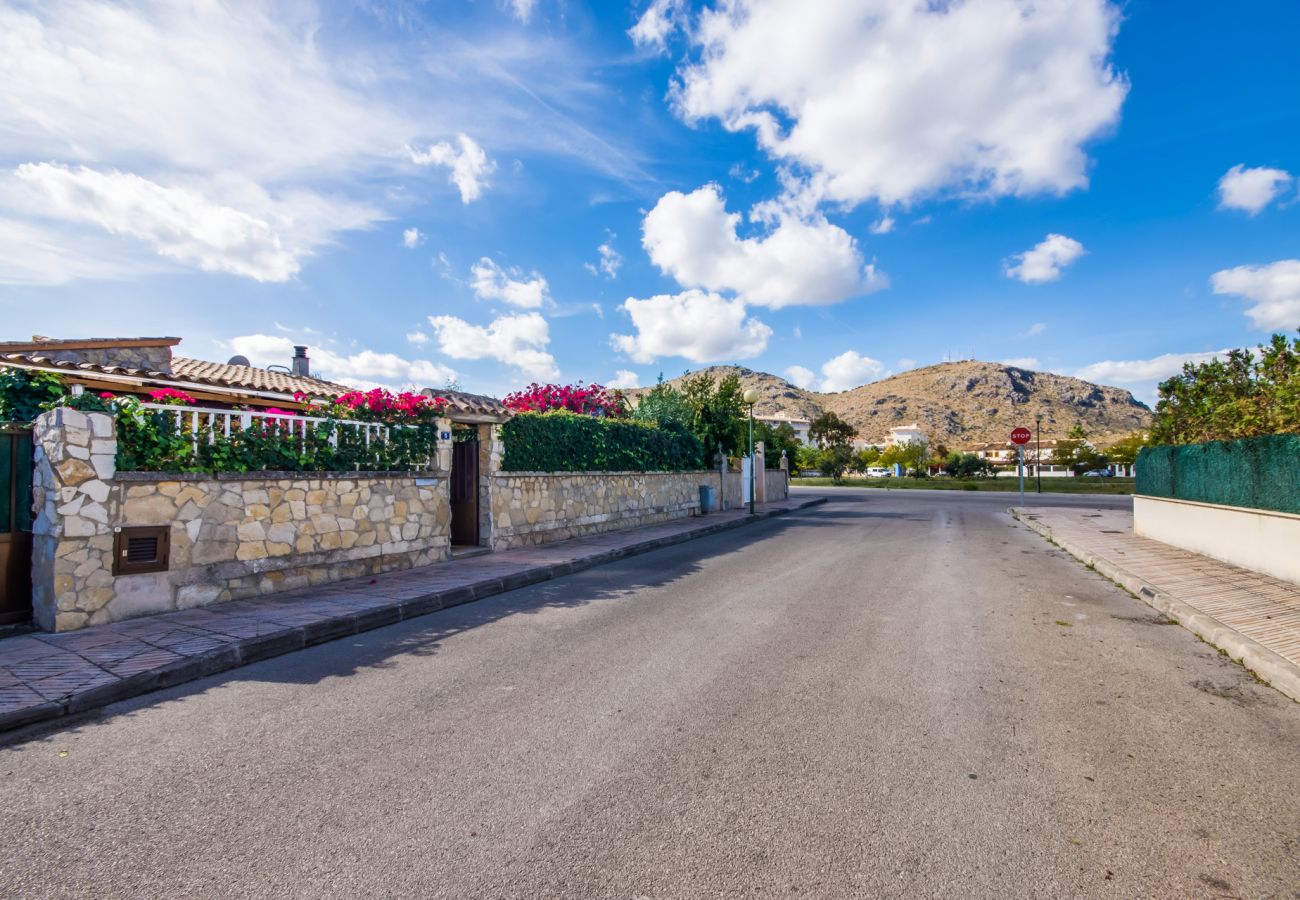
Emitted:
pixel 1022 362
pixel 696 325
pixel 610 260
pixel 469 165
pixel 517 340
pixel 363 369
pixel 883 225
pixel 412 238
pixel 801 377
pixel 809 261
pixel 848 370
pixel 491 282
pixel 1045 262
pixel 1132 371
pixel 657 22
pixel 624 379
pixel 893 101
pixel 1251 189
pixel 1274 290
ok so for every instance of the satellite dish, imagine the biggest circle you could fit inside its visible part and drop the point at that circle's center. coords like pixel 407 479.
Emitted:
pixel 239 361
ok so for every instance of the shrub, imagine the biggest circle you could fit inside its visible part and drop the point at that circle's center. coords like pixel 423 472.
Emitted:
pixel 152 440
pixel 24 394
pixel 562 441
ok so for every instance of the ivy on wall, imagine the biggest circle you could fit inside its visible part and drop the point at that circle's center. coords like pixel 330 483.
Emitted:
pixel 566 442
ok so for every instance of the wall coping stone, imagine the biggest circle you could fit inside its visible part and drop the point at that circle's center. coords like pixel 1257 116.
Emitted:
pixel 137 477
pixel 602 474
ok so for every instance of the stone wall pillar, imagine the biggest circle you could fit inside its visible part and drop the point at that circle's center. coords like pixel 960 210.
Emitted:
pixel 491 450
pixel 74 462
pixel 760 472
pixel 442 455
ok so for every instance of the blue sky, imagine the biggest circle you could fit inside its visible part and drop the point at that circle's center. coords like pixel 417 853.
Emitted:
pixel 497 192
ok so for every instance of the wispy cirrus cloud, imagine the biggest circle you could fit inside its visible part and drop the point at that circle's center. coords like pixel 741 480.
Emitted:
pixel 158 135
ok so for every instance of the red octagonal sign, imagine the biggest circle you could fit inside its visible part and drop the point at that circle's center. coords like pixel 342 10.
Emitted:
pixel 1020 436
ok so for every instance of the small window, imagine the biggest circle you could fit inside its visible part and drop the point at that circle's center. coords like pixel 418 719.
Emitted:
pixel 141 549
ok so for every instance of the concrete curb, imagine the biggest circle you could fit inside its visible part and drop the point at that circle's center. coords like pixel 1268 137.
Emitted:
pixel 1278 672
pixel 250 650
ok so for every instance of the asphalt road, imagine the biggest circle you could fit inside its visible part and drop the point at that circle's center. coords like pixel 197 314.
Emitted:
pixel 901 694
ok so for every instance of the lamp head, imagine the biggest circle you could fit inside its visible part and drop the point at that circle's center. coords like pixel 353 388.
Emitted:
pixel 750 396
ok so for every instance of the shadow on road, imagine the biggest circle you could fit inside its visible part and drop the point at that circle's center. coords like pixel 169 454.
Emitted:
pixel 424 635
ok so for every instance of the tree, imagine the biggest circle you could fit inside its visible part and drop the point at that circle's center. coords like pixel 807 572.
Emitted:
pixel 1125 451
pixel 718 413
pixel 663 403
pixel 777 439
pixel 1239 396
pixel 968 465
pixel 911 455
pixel 834 459
pixel 805 458
pixel 865 459
pixel 1076 453
pixel 829 430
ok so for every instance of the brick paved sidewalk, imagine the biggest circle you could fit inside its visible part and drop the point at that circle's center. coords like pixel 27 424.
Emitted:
pixel 1255 618
pixel 43 676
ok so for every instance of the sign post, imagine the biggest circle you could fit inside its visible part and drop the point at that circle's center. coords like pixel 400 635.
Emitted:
pixel 1020 437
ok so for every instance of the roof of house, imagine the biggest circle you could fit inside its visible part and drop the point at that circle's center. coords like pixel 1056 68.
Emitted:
pixel 224 374
pixel 195 375
pixel 188 371
pixel 471 407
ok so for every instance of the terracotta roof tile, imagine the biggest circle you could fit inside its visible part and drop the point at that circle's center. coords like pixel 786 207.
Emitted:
pixel 252 378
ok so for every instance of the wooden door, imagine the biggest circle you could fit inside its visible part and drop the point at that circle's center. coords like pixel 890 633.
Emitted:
pixel 15 524
pixel 464 493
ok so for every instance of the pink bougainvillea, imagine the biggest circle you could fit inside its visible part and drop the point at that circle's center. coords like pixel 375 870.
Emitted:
pixel 592 399
pixel 380 405
pixel 171 397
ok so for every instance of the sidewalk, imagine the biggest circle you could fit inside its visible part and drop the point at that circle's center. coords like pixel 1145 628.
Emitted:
pixel 44 676
pixel 1254 618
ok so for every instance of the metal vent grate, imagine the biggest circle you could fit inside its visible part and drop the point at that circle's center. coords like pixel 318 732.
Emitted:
pixel 138 550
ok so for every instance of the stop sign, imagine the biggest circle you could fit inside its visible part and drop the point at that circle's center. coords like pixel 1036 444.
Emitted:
pixel 1020 436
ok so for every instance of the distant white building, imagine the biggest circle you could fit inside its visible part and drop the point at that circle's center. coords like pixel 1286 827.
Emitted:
pixel 905 434
pixel 800 426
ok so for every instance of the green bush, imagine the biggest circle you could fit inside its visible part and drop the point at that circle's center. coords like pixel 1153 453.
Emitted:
pixel 1255 473
pixel 565 442
pixel 25 394
pixel 150 441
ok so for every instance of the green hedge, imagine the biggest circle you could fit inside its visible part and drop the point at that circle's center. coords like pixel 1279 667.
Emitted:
pixel 1256 473
pixel 564 442
pixel 150 441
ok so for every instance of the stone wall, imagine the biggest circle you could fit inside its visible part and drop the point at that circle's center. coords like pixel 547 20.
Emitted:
pixel 232 535
pixel 540 507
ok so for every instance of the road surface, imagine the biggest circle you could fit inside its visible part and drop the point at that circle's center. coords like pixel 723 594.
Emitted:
pixel 897 693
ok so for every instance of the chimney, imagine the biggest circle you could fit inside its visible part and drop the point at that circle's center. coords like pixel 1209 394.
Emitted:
pixel 301 365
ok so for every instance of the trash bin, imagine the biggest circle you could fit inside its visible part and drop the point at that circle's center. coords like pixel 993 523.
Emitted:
pixel 708 498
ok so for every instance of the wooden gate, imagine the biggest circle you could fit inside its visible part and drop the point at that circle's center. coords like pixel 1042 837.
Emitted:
pixel 15 524
pixel 464 492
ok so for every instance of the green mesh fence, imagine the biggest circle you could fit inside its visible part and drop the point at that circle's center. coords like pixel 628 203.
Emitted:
pixel 1257 473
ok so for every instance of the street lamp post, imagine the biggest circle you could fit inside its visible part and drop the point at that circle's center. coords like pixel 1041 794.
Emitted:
pixel 1038 451
pixel 751 397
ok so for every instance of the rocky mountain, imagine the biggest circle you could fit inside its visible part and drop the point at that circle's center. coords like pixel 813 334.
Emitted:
pixel 958 403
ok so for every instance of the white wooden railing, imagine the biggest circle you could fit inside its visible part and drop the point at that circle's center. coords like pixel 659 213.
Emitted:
pixel 205 423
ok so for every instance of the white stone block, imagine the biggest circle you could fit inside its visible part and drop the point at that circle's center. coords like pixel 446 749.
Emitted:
pixel 101 425
pixel 96 490
pixel 105 466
